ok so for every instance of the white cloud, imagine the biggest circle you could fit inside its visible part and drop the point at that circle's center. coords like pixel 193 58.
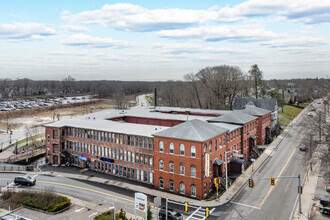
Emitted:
pixel 193 48
pixel 94 42
pixel 129 17
pixel 18 31
pixel 305 11
pixel 302 42
pixel 66 53
pixel 241 33
pixel 74 28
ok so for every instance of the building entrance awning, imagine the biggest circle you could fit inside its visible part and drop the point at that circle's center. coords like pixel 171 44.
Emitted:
pixel 65 154
pixel 237 161
pixel 218 162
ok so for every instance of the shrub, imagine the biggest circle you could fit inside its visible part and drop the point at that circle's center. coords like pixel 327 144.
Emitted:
pixel 44 200
pixel 105 216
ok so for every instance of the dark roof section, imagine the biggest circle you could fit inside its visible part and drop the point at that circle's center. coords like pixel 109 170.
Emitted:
pixel 255 111
pixel 194 130
pixel 236 117
pixel 269 104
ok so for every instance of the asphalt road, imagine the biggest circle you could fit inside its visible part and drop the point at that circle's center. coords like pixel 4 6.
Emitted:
pixel 273 202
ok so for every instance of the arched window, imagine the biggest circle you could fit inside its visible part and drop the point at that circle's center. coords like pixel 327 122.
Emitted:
pixel 193 151
pixel 171 167
pixel 182 188
pixel 171 148
pixel 171 185
pixel 220 143
pixel 210 147
pixel 161 146
pixel 161 165
pixel 205 189
pixel 215 145
pixel 193 171
pixel 161 183
pixel 182 149
pixel 193 190
pixel 181 169
pixel 205 148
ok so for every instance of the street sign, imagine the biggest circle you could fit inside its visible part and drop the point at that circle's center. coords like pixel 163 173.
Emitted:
pixel 141 202
pixel 238 155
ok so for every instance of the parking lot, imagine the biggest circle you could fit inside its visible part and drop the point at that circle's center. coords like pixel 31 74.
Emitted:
pixel 40 103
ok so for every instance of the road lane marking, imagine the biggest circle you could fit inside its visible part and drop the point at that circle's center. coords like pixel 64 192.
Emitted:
pixel 95 213
pixel 91 190
pixel 79 210
pixel 280 174
pixel 250 206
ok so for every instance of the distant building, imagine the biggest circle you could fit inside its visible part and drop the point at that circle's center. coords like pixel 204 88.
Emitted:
pixel 268 104
pixel 179 150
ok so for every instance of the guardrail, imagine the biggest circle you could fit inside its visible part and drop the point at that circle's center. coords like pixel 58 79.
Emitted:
pixel 8 167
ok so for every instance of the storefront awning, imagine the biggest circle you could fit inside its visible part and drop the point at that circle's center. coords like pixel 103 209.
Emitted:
pixel 238 161
pixel 65 154
pixel 218 162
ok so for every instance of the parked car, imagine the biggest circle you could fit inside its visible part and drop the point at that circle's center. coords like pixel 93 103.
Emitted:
pixel 302 147
pixel 327 187
pixel 25 180
pixel 310 114
pixel 313 109
pixel 171 215
pixel 325 206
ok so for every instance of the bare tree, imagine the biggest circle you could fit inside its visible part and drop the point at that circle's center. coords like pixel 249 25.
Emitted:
pixel 256 77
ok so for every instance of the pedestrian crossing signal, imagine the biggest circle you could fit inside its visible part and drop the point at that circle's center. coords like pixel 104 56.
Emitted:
pixel 272 181
pixel 251 183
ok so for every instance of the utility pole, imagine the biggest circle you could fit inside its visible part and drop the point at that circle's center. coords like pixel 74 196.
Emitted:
pixel 10 132
pixel 299 193
pixel 320 127
pixel 310 151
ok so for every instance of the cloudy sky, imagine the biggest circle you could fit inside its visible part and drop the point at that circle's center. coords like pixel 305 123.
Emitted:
pixel 162 40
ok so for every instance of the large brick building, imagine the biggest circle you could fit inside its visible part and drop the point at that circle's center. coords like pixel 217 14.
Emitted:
pixel 174 149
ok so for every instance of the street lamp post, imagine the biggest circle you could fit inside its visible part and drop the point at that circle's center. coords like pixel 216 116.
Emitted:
pixel 10 133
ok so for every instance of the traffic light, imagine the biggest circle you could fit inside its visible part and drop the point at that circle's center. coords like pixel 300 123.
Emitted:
pixel 272 181
pixel 186 206
pixel 300 189
pixel 251 183
pixel 207 212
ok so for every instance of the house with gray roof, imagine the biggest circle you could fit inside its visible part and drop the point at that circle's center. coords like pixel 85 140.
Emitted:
pixel 268 104
pixel 235 117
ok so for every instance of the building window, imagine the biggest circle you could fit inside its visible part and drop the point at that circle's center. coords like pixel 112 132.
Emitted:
pixel 159 123
pixel 182 188
pixel 161 183
pixel 141 142
pixel 210 147
pixel 215 145
pixel 161 146
pixel 210 186
pixel 171 148
pixel 181 169
pixel 161 165
pixel 193 190
pixel 205 189
pixel 182 149
pixel 171 167
pixel 48 138
pixel 171 185
pixel 172 124
pixel 193 171
pixel 193 151
pixel 55 134
pixel 150 143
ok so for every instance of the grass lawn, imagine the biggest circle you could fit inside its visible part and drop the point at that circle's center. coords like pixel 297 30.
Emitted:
pixel 283 122
pixel 290 112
